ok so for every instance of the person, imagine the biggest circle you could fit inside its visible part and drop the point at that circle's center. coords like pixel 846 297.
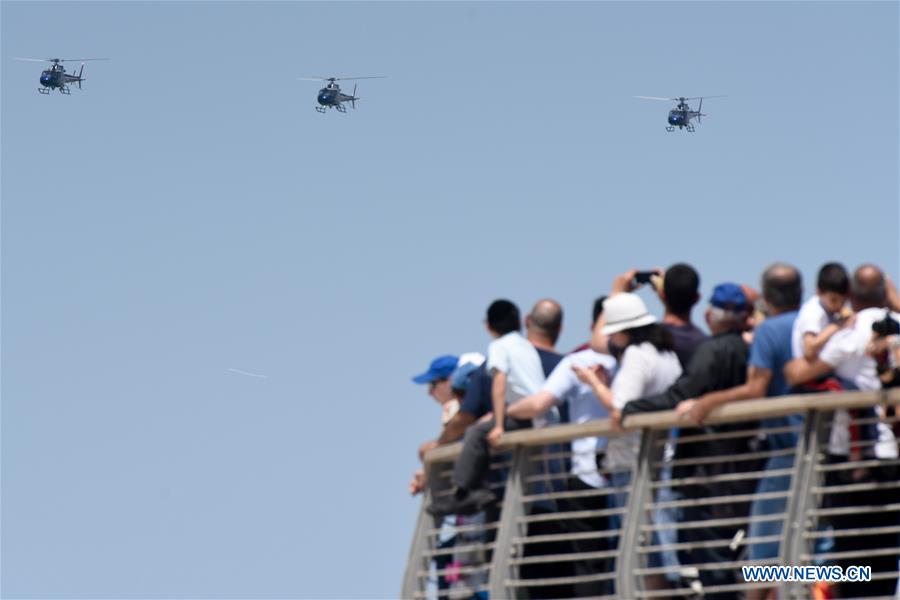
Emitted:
pixel 564 388
pixel 718 363
pixel 437 378
pixel 824 314
pixel 782 291
pixel 516 371
pixel 845 355
pixel 648 365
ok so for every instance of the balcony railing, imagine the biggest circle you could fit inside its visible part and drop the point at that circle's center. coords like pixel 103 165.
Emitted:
pixel 646 531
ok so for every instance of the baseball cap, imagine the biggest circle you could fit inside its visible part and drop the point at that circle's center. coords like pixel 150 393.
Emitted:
pixel 440 368
pixel 729 296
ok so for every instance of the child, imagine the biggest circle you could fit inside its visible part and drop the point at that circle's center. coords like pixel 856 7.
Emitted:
pixel 824 314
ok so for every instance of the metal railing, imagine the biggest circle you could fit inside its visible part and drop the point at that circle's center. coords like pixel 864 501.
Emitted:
pixel 682 519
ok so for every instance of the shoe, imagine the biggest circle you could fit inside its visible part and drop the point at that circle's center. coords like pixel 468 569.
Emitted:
pixel 474 501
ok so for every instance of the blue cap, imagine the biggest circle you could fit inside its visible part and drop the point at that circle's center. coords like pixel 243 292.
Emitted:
pixel 729 296
pixel 440 368
pixel 460 378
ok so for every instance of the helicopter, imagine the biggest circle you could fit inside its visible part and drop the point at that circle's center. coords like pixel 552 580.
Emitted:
pixel 681 115
pixel 331 95
pixel 56 76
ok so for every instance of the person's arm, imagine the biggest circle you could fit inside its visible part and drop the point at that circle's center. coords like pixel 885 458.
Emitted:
pixel 600 389
pixel 455 427
pixel 755 387
pixel 893 298
pixel 531 406
pixel 801 370
pixel 498 398
pixel 813 343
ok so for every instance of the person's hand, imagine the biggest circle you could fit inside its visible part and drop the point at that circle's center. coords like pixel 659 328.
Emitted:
pixel 602 374
pixel 425 447
pixel 623 282
pixel 494 435
pixel 694 410
pixel 615 419
pixel 586 375
pixel 417 485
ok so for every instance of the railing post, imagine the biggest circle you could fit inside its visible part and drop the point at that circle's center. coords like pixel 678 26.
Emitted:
pixel 631 522
pixel 806 458
pixel 419 544
pixel 507 528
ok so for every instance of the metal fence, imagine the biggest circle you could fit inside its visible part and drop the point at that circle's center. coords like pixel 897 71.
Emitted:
pixel 797 480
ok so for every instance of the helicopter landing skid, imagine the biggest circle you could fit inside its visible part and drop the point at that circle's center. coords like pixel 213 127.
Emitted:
pixel 690 128
pixel 44 91
pixel 65 90
pixel 341 108
pixel 320 109
pixel 670 129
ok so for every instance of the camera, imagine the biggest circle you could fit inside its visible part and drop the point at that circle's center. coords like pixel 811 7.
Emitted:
pixel 644 276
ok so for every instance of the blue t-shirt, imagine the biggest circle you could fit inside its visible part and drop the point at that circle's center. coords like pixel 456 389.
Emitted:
pixel 771 349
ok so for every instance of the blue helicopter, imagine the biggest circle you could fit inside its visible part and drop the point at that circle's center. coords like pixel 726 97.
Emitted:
pixel 331 96
pixel 56 76
pixel 681 115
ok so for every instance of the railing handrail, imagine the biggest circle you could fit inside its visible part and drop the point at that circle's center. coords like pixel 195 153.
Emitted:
pixel 730 413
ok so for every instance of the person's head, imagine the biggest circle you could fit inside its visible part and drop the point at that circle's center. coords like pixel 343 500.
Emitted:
pixel 867 290
pixel 680 292
pixel 437 377
pixel 782 288
pixel 832 286
pixel 728 309
pixel 545 321
pixel 628 322
pixel 503 317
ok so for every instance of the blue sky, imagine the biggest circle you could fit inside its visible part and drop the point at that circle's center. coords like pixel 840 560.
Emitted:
pixel 188 213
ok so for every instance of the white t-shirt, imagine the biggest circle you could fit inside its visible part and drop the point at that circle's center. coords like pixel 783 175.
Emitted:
pixel 643 371
pixel 846 353
pixel 514 355
pixel 565 386
pixel 811 318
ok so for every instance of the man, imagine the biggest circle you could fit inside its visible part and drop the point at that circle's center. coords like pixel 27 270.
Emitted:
pixel 782 290
pixel 516 370
pixel 718 363
pixel 845 355
pixel 678 289
pixel 563 388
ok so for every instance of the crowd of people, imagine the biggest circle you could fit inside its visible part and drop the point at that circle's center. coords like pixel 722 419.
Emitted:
pixel 770 343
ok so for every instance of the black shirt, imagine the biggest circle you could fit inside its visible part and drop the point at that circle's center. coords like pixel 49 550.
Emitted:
pixel 686 339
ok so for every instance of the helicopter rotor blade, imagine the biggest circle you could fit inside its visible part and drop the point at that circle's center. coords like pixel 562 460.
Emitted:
pixel 655 98
pixel 340 78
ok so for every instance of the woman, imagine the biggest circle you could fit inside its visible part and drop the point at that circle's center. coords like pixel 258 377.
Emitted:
pixel 648 365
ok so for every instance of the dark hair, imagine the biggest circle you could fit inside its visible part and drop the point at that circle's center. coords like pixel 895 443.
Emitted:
pixel 833 277
pixel 680 286
pixel 503 317
pixel 782 286
pixel 598 308
pixel 656 334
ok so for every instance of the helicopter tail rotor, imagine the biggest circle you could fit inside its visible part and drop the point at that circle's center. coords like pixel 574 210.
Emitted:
pixel 353 98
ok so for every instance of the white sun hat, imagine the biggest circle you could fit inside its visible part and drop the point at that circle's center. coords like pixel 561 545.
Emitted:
pixel 625 311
